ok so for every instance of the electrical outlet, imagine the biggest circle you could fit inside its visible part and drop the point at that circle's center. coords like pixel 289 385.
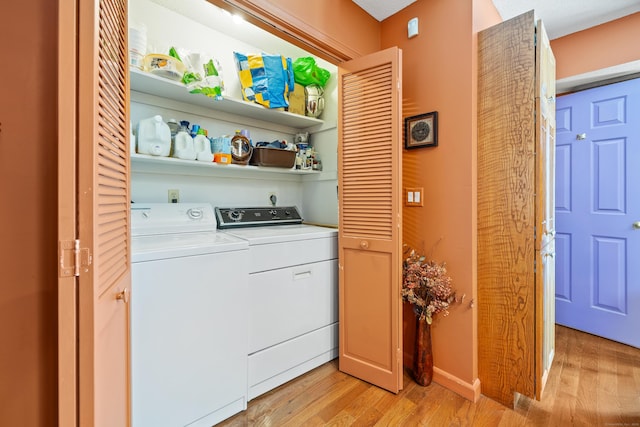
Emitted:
pixel 174 196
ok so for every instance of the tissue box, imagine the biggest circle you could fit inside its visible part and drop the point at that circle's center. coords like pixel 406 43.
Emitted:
pixel 273 157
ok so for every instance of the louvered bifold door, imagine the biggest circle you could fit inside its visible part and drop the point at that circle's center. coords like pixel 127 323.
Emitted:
pixel 103 212
pixel 369 162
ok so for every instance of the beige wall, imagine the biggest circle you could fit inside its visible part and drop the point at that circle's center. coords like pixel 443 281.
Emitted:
pixel 28 254
pixel 603 46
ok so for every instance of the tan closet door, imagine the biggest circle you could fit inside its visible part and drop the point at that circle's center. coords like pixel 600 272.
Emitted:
pixel 370 246
pixel 97 109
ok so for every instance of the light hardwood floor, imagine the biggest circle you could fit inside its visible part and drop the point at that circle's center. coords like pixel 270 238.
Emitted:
pixel 593 382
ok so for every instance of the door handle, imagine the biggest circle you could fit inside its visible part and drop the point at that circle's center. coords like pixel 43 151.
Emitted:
pixel 636 225
pixel 123 296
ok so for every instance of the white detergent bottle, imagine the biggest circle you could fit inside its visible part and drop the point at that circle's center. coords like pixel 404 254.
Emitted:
pixel 154 137
pixel 202 146
pixel 184 143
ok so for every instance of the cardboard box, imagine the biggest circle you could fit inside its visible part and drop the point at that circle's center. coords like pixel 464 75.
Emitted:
pixel 296 100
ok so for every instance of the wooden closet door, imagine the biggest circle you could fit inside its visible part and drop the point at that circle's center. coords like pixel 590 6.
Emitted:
pixel 94 188
pixel 506 209
pixel 370 246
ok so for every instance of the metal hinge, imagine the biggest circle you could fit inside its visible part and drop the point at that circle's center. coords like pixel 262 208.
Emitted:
pixel 72 257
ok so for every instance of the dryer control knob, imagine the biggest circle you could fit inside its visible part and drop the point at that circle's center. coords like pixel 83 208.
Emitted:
pixel 235 215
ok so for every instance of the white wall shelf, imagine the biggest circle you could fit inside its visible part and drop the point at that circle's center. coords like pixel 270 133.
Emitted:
pixel 143 163
pixel 148 83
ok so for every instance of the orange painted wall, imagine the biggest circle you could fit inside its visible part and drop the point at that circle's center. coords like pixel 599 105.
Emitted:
pixel 342 20
pixel 337 23
pixel 28 235
pixel 603 46
pixel 439 74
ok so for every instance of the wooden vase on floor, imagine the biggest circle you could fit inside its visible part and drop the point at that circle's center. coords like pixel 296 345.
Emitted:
pixel 422 355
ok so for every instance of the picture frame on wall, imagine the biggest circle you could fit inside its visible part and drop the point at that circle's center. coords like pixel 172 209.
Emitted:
pixel 421 130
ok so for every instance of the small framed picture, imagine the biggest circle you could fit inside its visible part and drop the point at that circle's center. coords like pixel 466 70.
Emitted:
pixel 421 130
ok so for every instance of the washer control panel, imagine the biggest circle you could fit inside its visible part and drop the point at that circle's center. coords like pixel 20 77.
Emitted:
pixel 252 217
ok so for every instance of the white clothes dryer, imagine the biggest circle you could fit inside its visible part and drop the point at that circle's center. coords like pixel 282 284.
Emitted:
pixel 293 292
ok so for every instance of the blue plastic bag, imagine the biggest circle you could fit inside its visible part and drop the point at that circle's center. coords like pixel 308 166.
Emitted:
pixel 265 79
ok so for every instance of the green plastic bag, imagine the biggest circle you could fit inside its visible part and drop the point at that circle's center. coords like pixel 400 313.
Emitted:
pixel 306 72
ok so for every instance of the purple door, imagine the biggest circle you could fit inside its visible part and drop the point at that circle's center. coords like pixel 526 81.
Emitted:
pixel 598 211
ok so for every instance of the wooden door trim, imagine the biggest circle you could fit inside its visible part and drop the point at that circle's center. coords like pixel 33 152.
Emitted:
pixel 67 286
pixel 281 23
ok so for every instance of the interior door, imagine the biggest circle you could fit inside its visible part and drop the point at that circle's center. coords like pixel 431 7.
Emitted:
pixel 598 211
pixel 94 195
pixel 545 208
pixel 370 235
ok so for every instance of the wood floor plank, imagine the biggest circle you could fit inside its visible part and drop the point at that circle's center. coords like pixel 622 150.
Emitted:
pixel 263 407
pixel 329 412
pixel 588 383
pixel 628 374
pixel 396 414
pixel 565 402
pixel 300 405
pixel 328 402
pixel 361 404
pixel 485 413
pixel 615 385
pixel 592 382
pixel 427 400
pixel 539 414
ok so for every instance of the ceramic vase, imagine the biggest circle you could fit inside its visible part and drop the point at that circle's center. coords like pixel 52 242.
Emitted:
pixel 422 355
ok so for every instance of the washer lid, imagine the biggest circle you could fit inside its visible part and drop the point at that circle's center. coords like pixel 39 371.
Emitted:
pixel 156 247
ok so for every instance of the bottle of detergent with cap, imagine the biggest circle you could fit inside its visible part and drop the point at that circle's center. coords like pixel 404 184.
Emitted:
pixel 184 148
pixel 154 137
pixel 202 146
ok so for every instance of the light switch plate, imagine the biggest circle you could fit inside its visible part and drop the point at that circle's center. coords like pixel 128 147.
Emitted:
pixel 413 197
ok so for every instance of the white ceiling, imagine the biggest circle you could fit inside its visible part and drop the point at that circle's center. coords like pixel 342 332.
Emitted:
pixel 382 9
pixel 560 17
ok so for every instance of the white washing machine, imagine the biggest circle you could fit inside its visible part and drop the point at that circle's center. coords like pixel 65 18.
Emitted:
pixel 188 317
pixel 293 293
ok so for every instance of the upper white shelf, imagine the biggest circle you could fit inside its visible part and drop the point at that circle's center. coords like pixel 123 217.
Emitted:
pixel 148 83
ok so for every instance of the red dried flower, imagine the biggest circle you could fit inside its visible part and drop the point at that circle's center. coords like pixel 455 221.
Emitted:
pixel 427 286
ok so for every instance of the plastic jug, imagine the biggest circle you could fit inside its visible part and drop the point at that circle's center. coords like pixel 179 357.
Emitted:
pixel 202 146
pixel 154 137
pixel 184 148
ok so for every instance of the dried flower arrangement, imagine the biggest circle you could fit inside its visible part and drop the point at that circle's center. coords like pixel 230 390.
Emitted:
pixel 426 285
